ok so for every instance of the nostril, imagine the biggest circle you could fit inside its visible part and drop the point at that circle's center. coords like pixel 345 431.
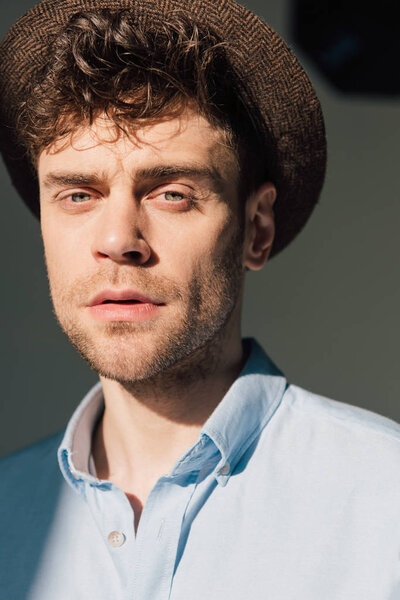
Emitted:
pixel 137 257
pixel 133 254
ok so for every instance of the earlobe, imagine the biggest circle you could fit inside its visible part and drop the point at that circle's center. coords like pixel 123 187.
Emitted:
pixel 260 227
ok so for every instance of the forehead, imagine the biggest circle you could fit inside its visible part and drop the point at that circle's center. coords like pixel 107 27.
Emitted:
pixel 189 137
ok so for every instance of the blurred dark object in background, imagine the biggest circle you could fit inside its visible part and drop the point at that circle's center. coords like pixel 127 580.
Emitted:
pixel 356 45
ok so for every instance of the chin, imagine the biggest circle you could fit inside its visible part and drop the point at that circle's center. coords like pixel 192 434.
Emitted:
pixel 129 354
pixel 125 358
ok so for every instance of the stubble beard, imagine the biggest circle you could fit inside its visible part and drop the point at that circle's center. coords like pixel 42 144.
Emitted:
pixel 186 352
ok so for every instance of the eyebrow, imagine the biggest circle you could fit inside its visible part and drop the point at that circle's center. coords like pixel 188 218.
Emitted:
pixel 72 179
pixel 197 172
pixel 155 172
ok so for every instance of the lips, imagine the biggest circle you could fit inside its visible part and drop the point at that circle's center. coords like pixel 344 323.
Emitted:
pixel 123 297
pixel 123 306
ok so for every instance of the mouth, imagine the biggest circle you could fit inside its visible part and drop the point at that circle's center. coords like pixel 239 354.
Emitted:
pixel 123 297
pixel 124 305
pixel 122 302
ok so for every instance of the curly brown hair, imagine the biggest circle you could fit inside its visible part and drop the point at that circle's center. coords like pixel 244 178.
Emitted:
pixel 101 62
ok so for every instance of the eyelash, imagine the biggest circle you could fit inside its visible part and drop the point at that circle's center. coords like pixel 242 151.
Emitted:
pixel 184 197
pixel 191 200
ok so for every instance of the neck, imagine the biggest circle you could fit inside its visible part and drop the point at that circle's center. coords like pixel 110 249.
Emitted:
pixel 148 425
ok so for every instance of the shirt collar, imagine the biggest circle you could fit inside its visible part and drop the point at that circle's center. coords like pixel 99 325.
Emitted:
pixel 75 448
pixel 244 411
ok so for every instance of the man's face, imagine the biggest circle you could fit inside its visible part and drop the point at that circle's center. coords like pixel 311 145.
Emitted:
pixel 143 243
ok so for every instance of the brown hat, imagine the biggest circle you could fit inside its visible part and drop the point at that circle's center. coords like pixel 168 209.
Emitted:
pixel 273 85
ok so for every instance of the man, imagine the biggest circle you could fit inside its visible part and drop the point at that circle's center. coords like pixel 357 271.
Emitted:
pixel 172 151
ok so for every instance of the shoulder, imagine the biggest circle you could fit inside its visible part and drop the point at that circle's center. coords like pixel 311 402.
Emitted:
pixel 31 469
pixel 31 455
pixel 342 436
pixel 30 488
pixel 30 484
pixel 340 415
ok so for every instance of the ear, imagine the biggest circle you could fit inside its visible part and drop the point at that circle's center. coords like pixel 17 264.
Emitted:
pixel 260 227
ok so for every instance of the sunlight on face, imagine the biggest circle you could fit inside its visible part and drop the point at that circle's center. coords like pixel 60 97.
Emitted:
pixel 157 215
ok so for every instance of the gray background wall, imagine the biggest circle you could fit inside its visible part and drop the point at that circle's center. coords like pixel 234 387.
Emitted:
pixel 326 310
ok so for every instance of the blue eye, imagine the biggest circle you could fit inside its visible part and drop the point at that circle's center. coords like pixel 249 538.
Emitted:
pixel 79 197
pixel 174 196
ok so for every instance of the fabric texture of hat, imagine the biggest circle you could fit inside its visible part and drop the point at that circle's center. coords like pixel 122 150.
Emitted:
pixel 273 86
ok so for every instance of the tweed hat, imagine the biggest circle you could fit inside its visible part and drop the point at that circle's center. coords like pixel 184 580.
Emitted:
pixel 272 84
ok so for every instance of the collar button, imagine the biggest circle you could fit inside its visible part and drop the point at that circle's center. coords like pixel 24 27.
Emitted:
pixel 225 469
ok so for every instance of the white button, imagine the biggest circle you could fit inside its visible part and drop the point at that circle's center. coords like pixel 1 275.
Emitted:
pixel 116 539
pixel 224 470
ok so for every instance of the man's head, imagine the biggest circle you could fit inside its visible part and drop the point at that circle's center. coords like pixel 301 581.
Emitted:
pixel 158 138
pixel 140 150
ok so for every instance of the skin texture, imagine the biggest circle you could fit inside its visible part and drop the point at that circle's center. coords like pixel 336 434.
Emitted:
pixel 157 213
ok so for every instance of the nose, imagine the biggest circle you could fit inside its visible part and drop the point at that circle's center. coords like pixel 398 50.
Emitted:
pixel 119 234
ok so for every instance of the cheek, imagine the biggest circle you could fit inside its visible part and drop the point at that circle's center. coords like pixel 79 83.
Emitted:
pixel 191 245
pixel 185 259
pixel 64 257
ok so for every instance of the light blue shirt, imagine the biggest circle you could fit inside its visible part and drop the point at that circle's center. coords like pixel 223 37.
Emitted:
pixel 285 496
